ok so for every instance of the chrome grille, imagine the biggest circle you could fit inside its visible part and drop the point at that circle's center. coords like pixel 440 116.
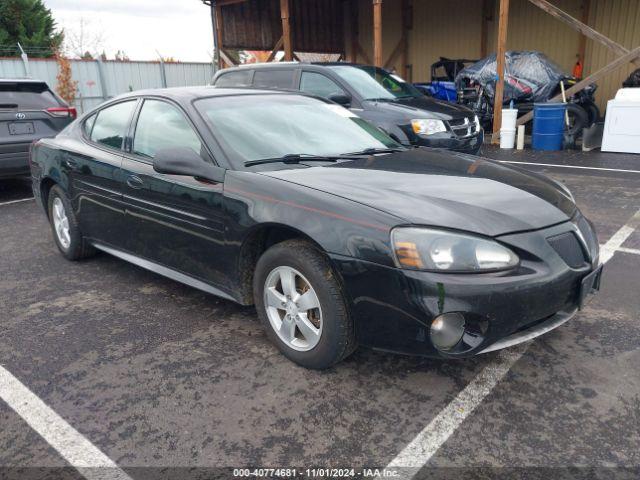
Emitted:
pixel 463 127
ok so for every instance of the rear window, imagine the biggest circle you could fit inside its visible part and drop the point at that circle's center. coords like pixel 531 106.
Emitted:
pixel 26 96
pixel 273 78
pixel 239 78
pixel 111 125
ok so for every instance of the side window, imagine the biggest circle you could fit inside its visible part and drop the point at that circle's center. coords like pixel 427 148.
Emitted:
pixel 110 126
pixel 318 84
pixel 273 78
pixel 88 124
pixel 161 125
pixel 238 78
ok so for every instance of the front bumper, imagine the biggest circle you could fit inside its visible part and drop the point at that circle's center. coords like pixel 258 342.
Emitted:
pixel 393 308
pixel 450 141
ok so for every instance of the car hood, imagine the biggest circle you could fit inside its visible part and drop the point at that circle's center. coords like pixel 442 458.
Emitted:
pixel 443 189
pixel 422 107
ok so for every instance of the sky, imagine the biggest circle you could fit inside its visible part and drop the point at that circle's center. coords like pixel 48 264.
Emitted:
pixel 176 28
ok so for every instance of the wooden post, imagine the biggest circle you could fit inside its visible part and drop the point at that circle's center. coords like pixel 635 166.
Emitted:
pixel 275 50
pixel 407 24
pixel 503 24
pixel 286 30
pixel 218 24
pixel 353 31
pixel 377 33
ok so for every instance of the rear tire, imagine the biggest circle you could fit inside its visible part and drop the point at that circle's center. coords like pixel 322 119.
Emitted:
pixel 283 309
pixel 65 228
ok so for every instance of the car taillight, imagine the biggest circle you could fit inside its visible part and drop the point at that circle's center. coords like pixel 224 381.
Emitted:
pixel 63 112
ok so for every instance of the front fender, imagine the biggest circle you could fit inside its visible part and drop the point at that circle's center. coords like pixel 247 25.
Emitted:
pixel 337 225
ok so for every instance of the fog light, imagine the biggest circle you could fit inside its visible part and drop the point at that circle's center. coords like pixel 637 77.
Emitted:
pixel 447 330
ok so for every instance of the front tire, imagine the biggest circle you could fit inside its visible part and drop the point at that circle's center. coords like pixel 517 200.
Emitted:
pixel 301 305
pixel 65 228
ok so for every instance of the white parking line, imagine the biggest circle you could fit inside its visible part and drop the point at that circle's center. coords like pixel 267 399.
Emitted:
pixel 16 201
pixel 618 238
pixel 69 443
pixel 420 450
pixel 581 167
pixel 629 250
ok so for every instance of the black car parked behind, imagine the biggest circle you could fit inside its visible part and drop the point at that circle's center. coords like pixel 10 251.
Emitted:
pixel 378 96
pixel 29 110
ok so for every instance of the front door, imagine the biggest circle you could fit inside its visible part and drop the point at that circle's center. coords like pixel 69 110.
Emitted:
pixel 175 221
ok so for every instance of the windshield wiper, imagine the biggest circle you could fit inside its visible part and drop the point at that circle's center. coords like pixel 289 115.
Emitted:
pixel 293 158
pixel 382 99
pixel 375 151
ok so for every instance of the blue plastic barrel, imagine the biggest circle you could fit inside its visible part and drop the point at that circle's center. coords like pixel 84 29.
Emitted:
pixel 548 126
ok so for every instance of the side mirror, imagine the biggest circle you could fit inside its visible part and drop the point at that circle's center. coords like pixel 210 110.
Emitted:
pixel 184 161
pixel 341 99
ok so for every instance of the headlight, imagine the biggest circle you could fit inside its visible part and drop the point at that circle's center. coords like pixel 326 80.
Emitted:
pixel 439 250
pixel 428 126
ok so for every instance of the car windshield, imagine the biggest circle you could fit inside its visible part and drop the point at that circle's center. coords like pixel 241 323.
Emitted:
pixel 258 127
pixel 374 83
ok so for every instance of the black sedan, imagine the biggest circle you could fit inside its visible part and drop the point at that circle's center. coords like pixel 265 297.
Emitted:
pixel 338 235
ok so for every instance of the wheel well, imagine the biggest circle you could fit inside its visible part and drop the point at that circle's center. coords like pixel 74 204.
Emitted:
pixel 258 242
pixel 45 188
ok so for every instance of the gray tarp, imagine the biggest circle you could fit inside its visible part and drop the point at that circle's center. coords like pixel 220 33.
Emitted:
pixel 529 76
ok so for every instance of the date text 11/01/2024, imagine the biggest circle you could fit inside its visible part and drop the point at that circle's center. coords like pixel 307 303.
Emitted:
pixel 315 473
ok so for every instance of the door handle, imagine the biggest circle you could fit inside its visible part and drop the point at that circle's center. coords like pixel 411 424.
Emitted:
pixel 134 181
pixel 71 164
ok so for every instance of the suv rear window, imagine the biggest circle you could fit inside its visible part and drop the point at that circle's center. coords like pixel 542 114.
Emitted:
pixel 26 96
pixel 273 78
pixel 239 78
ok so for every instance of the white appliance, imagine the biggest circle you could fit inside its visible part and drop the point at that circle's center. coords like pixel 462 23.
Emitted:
pixel 622 122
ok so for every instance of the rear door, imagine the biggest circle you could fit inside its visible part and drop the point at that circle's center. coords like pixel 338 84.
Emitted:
pixel 95 171
pixel 280 78
pixel 173 220
pixel 28 111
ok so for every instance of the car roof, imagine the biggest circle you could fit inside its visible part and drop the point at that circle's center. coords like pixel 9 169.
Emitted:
pixel 190 93
pixel 279 65
pixel 21 80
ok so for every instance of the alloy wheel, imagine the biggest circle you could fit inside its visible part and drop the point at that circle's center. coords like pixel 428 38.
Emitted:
pixel 61 223
pixel 293 308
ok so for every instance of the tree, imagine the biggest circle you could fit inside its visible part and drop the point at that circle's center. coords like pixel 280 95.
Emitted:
pixel 121 56
pixel 31 24
pixel 67 87
pixel 82 38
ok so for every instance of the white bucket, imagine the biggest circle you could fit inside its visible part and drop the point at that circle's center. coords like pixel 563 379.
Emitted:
pixel 509 117
pixel 507 138
pixel 508 128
